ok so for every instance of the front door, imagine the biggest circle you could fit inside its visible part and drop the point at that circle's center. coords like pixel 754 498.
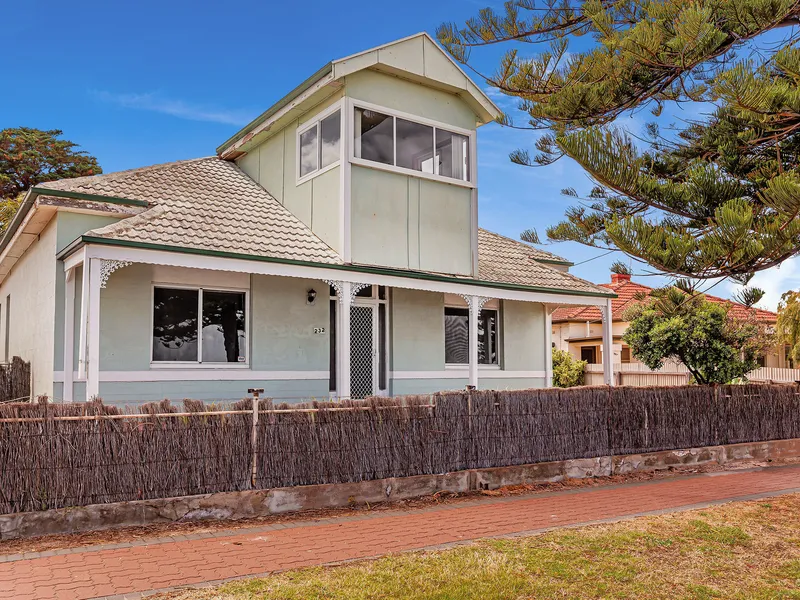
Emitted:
pixel 363 350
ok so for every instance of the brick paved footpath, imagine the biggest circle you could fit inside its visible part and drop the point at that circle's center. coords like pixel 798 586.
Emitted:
pixel 127 570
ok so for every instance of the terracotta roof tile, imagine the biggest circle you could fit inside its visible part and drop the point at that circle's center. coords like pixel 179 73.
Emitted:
pixel 627 291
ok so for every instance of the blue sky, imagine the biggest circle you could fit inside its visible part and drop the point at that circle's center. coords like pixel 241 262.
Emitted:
pixel 149 82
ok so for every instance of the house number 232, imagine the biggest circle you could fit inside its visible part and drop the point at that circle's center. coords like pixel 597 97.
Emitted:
pixel 319 330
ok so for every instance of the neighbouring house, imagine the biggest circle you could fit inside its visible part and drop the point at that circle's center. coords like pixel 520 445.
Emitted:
pixel 578 329
pixel 351 205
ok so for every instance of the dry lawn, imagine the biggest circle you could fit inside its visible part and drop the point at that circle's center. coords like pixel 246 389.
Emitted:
pixel 744 550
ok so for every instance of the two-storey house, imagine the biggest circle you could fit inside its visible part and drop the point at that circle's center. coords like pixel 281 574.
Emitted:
pixel 330 248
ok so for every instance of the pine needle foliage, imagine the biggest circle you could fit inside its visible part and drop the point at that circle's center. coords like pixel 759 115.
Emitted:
pixel 718 197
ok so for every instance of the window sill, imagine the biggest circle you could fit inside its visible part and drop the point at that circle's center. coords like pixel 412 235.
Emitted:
pixel 318 172
pixel 465 367
pixel 369 164
pixel 207 366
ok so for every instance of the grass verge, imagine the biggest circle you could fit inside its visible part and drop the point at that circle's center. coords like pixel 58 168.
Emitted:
pixel 742 551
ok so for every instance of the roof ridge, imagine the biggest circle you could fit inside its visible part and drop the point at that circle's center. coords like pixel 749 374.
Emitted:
pixel 77 181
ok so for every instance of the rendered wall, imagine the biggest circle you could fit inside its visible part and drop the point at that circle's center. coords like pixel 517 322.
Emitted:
pixel 32 287
pixel 281 337
pixel 69 226
pixel 417 345
pixel 523 336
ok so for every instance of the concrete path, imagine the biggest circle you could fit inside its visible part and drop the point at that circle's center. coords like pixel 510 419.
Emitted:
pixel 131 569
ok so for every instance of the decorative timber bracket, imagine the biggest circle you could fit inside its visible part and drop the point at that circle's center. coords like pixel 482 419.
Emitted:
pixel 339 286
pixel 107 267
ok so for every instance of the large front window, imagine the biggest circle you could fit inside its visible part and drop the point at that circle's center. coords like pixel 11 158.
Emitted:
pixel 456 336
pixel 199 326
pixel 406 144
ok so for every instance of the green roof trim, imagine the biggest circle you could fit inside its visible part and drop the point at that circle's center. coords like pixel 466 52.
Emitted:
pixel 328 68
pixel 35 192
pixel 87 239
pixel 42 191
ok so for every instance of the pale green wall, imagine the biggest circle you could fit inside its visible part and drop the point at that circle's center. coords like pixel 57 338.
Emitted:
pixel 405 222
pixel 281 333
pixel 273 164
pixel 517 383
pixel 72 225
pixel 401 220
pixel 291 391
pixel 32 286
pixel 523 336
pixel 69 227
pixel 409 97
pixel 417 330
pixel 444 225
pixel 283 325
pixel 132 394
pixel 282 339
pixel 404 387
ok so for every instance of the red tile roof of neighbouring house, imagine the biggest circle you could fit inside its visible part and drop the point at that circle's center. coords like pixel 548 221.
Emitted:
pixel 627 291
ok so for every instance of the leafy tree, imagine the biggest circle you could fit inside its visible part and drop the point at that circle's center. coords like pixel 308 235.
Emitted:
pixel 787 329
pixel 718 197
pixel 29 156
pixel 8 208
pixel 567 371
pixel 714 346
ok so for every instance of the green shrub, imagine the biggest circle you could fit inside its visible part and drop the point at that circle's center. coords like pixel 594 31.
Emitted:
pixel 567 371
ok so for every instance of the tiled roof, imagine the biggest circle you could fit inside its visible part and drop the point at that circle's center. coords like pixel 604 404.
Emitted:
pixel 210 204
pixel 206 204
pixel 627 291
pixel 505 260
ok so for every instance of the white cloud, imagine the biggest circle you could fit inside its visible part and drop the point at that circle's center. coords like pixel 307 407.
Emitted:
pixel 774 282
pixel 156 102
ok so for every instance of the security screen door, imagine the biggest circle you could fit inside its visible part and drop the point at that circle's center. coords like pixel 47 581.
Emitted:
pixel 363 350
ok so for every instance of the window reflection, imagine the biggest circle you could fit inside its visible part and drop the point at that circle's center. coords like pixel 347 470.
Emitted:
pixel 374 136
pixel 175 325
pixel 223 327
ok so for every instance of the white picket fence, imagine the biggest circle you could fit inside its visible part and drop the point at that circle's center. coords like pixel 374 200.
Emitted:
pixel 638 374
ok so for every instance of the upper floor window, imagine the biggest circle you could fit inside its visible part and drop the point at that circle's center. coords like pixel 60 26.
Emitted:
pixel 319 144
pixel 404 143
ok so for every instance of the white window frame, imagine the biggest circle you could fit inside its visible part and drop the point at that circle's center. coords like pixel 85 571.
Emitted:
pixel 471 135
pixel 315 121
pixel 199 364
pixel 495 308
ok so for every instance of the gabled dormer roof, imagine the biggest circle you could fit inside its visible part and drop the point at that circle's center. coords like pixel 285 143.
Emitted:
pixel 417 58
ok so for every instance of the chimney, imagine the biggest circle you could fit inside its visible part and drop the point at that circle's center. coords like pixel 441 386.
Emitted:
pixel 620 277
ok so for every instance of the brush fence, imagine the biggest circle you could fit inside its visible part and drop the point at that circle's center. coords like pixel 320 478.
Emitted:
pixel 15 380
pixel 58 455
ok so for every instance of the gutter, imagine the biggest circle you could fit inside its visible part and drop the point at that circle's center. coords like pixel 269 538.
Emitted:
pixel 19 217
pixel 87 239
pixel 34 192
pixel 328 68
